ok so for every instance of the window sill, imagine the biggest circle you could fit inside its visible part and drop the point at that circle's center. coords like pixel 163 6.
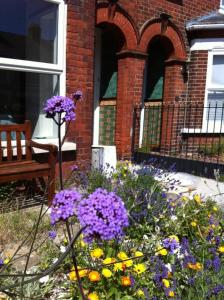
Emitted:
pixel 67 146
pixel 200 131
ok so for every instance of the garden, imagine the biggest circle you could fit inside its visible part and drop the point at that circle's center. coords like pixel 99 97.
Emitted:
pixel 116 234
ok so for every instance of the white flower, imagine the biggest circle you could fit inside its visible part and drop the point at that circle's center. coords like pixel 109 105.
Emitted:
pixel 44 279
pixel 173 218
pixel 169 267
pixel 62 249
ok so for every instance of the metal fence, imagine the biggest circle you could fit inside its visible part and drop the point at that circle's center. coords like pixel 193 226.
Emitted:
pixel 184 130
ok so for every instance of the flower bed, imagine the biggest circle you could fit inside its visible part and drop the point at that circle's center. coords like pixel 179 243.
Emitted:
pixel 138 242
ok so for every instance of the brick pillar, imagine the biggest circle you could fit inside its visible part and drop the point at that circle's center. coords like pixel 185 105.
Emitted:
pixel 174 88
pixel 79 71
pixel 129 93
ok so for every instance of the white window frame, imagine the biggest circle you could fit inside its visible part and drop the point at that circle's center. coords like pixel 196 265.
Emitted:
pixel 46 68
pixel 212 126
pixel 221 8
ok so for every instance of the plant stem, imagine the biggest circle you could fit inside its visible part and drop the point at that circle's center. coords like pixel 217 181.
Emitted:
pixel 60 154
pixel 67 223
pixel 75 263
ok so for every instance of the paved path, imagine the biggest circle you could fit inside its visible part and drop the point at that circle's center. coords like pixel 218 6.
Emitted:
pixel 191 185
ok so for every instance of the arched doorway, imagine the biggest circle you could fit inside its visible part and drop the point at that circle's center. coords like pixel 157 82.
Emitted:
pixel 159 50
pixel 109 41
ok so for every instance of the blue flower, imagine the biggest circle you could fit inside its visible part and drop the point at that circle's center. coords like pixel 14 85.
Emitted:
pixel 52 234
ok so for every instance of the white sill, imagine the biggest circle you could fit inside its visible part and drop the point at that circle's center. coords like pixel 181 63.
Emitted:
pixel 67 146
pixel 200 130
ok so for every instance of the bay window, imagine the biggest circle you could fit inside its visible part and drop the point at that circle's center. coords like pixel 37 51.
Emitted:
pixel 32 58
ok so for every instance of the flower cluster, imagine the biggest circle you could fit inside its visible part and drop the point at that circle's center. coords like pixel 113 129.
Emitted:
pixel 103 214
pixel 60 104
pixel 123 270
pixel 64 205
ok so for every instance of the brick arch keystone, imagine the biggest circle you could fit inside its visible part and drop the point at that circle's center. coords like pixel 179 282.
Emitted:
pixel 153 28
pixel 122 22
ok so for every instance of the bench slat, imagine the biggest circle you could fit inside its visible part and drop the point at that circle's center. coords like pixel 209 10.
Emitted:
pixel 18 145
pixel 9 145
pixel 1 151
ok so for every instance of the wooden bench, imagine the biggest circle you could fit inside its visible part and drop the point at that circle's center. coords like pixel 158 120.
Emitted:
pixel 16 161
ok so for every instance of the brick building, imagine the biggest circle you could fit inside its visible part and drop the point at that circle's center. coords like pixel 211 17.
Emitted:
pixel 120 53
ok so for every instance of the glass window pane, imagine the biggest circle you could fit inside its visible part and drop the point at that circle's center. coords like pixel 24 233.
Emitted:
pixel 218 70
pixel 215 109
pixel 22 97
pixel 28 30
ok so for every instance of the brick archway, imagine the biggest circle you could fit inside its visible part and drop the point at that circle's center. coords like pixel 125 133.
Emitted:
pixel 166 29
pixel 122 21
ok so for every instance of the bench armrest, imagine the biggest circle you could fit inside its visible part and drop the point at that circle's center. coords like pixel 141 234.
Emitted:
pixel 47 147
pixel 52 149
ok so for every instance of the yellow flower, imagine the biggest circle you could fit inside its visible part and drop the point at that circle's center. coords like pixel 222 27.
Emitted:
pixel 118 267
pixel 171 294
pixel 83 244
pixel 109 260
pixel 193 223
pixel 106 273
pixel 166 283
pixel 122 256
pixel 96 253
pixel 174 237
pixel 82 273
pixel 184 198
pixel 6 261
pixel 140 268
pixel 161 251
pixel 197 266
pixel 197 198
pixel 221 249
pixel 140 293
pixel 125 281
pixel 94 276
pixel 138 254
pixel 93 296
pixel 128 263
pixel 215 208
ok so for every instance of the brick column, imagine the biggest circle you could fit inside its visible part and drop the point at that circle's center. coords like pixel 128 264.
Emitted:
pixel 129 93
pixel 79 71
pixel 174 88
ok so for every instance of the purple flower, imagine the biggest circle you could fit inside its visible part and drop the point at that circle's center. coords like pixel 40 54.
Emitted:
pixel 103 214
pixel 60 104
pixel 184 249
pixel 64 205
pixel 74 168
pixel 77 95
pixel 171 244
pixel 52 234
pixel 216 263
pixel 1 263
pixel 191 281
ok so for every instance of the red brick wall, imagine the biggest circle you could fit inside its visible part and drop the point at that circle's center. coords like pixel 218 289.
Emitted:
pixel 79 71
pixel 130 80
pixel 143 10
pixel 132 18
pixel 197 76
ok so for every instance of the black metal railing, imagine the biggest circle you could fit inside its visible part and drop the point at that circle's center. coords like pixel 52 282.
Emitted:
pixel 184 130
